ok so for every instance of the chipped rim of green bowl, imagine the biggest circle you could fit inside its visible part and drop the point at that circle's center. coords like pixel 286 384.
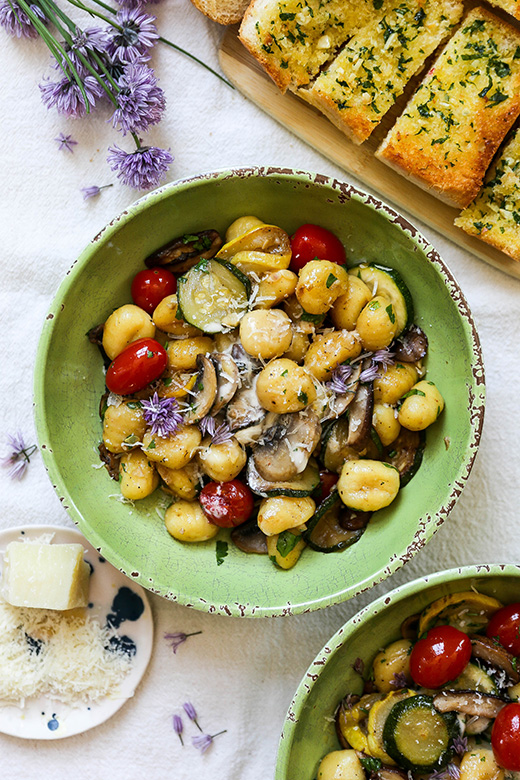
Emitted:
pixel 342 636
pixel 344 191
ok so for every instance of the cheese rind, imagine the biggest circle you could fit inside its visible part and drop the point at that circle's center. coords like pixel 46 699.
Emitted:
pixel 46 576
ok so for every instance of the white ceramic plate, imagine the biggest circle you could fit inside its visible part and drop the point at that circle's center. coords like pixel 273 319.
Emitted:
pixel 45 718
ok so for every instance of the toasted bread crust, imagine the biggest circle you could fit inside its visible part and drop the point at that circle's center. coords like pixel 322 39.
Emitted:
pixel 452 126
pixel 494 216
pixel 371 72
pixel 229 14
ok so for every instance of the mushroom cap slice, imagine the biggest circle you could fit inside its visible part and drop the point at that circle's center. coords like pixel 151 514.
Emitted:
pixel 474 703
pixel 412 345
pixel 227 380
pixel 184 252
pixel 249 538
pixel 244 409
pixel 339 402
pixel 360 415
pixel 496 655
pixel 204 391
pixel 287 446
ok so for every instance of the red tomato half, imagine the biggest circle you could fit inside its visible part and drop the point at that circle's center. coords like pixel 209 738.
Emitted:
pixel 226 504
pixel 505 626
pixel 440 657
pixel 505 737
pixel 327 481
pixel 311 242
pixel 136 366
pixel 151 285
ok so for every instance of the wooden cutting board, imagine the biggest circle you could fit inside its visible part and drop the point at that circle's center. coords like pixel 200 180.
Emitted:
pixel 314 128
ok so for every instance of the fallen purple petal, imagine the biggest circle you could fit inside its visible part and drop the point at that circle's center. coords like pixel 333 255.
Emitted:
pixel 178 727
pixel 178 638
pixel 19 457
pixel 66 142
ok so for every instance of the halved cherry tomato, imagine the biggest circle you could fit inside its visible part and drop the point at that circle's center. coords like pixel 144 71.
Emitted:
pixel 505 737
pixel 151 285
pixel 136 366
pixel 327 481
pixel 440 657
pixel 505 626
pixel 226 504
pixel 312 242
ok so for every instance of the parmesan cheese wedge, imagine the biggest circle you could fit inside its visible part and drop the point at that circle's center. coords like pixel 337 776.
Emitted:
pixel 47 576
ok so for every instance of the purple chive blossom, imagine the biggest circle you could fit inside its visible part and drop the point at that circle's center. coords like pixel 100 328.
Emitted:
pixel 141 101
pixel 178 727
pixel 384 358
pixel 359 666
pixel 207 425
pixel 399 680
pixel 16 21
pixel 451 772
pixel 460 745
pixel 162 415
pixel 179 638
pixel 19 456
pixel 222 434
pixel 138 33
pixel 92 40
pixel 369 374
pixel 338 381
pixel 93 192
pixel 189 709
pixel 65 142
pixel 142 169
pixel 66 96
pixel 203 741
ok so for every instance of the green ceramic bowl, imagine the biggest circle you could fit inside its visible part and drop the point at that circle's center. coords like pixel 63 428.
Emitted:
pixel 308 732
pixel 69 381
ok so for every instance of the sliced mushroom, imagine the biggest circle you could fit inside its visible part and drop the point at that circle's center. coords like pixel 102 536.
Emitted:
pixel 253 433
pixel 184 252
pixel 204 391
pixel 227 380
pixel 244 410
pixel 476 725
pixel 360 416
pixel 412 345
pixel 249 538
pixel 389 773
pixel 246 364
pixel 339 402
pixel 287 446
pixel 474 703
pixel 409 627
pixel 110 460
pixel 494 654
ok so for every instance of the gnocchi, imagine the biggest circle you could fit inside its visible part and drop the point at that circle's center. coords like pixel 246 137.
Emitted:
pixel 273 366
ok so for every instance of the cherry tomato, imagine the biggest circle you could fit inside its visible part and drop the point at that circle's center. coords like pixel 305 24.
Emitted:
pixel 440 657
pixel 226 504
pixel 505 737
pixel 311 242
pixel 327 481
pixel 151 285
pixel 136 366
pixel 505 626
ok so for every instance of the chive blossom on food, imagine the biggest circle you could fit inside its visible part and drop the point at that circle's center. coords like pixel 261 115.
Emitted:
pixel 399 680
pixel 162 415
pixel 19 456
pixel 178 638
pixel 338 381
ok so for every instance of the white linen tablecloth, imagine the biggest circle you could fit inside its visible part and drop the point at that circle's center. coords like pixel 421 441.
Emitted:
pixel 239 674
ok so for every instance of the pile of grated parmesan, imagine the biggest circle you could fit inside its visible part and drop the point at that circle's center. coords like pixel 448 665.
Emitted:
pixel 55 654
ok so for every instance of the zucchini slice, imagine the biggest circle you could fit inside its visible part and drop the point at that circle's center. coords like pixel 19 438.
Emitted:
pixel 418 737
pixel 473 678
pixel 302 485
pixel 213 296
pixel 406 454
pixel 388 282
pixel 377 718
pixel 334 448
pixel 327 530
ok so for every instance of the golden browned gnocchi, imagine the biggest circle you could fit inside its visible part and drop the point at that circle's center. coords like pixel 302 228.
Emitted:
pixel 267 370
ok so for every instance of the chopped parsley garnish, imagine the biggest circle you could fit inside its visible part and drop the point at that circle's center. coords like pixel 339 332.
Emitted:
pixel 221 551
pixel 330 280
pixel 286 542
